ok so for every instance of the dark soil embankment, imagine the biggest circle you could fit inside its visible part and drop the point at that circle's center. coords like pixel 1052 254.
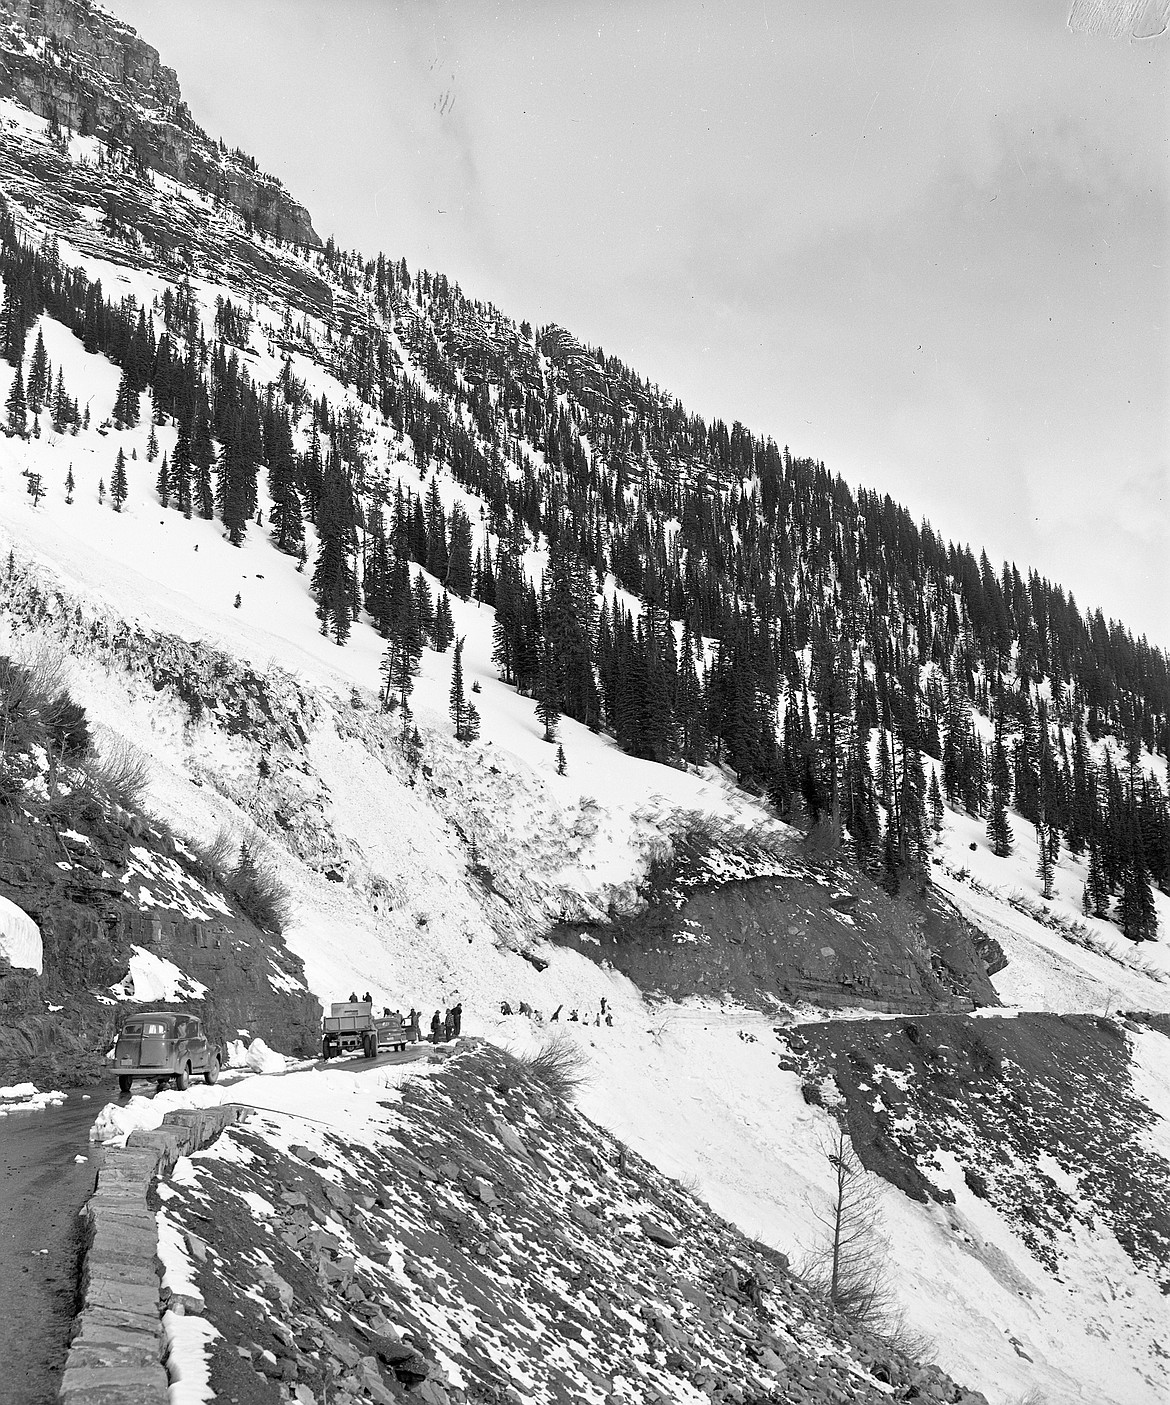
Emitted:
pixel 829 938
pixel 42 1188
pixel 1003 1095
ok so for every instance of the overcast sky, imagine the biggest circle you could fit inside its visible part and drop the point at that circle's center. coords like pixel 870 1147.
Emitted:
pixel 926 243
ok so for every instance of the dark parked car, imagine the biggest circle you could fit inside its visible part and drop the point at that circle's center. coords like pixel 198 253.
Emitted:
pixel 165 1045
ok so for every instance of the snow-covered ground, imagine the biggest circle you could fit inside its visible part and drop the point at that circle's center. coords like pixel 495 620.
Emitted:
pixel 27 1097
pixel 20 937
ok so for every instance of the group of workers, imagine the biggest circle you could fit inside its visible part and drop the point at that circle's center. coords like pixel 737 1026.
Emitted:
pixel 444 1027
pixel 599 1017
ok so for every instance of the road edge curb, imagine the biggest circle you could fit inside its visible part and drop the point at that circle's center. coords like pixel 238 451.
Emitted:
pixel 116 1352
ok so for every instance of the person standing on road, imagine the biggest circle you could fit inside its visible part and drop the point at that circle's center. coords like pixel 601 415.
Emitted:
pixel 436 1024
pixel 457 1018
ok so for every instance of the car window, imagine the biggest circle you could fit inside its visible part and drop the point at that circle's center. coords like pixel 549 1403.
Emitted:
pixel 154 1028
pixel 131 1029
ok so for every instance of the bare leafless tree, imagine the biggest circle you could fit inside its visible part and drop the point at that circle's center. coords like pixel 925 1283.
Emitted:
pixel 849 1266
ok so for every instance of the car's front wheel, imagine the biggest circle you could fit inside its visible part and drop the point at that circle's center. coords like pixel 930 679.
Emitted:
pixel 212 1070
pixel 183 1077
pixel 124 1085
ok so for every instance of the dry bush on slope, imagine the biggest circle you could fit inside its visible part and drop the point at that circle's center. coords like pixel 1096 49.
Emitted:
pixel 117 771
pixel 558 1068
pixel 248 870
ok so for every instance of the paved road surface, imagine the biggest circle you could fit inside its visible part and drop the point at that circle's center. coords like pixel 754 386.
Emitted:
pixel 42 1188
pixel 358 1063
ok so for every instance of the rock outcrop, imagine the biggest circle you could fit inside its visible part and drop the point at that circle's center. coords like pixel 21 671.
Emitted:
pixel 99 887
pixel 75 64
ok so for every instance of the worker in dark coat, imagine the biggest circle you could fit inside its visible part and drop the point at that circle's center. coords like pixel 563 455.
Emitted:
pixel 436 1025
pixel 448 1028
pixel 457 1018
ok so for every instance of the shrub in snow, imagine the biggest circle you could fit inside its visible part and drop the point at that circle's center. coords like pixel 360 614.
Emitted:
pixel 119 772
pixel 557 1069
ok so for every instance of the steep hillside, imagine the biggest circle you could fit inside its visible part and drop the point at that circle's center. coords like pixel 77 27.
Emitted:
pixel 480 1242
pixel 125 909
pixel 693 591
pixel 482 639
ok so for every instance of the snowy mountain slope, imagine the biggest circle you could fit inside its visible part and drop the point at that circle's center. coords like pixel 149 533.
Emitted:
pixel 423 882
pixel 411 924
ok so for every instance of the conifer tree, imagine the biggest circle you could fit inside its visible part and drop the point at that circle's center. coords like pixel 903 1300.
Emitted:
pixel 562 765
pixel 334 580
pixel 60 406
pixel 999 829
pixel 1136 913
pixel 1045 865
pixel 457 703
pixel 200 495
pixel 126 401
pixel 937 811
pixel 444 630
pixel 163 483
pixel 459 578
pixel 832 670
pixel 38 384
pixel 424 610
pixel 471 723
pixel 688 705
pixel 16 407
pixel 152 445
pixel 436 524
pixel 1096 888
pixel 181 469
pixel 69 486
pixel 119 488
pixel 548 703
pixel 507 632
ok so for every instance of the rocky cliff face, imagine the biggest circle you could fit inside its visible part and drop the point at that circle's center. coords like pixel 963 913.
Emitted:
pixel 99 886
pixel 74 63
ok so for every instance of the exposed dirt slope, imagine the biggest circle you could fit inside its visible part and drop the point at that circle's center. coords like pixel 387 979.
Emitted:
pixel 817 934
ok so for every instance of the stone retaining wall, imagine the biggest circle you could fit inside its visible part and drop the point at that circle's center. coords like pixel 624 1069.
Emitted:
pixel 116 1357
